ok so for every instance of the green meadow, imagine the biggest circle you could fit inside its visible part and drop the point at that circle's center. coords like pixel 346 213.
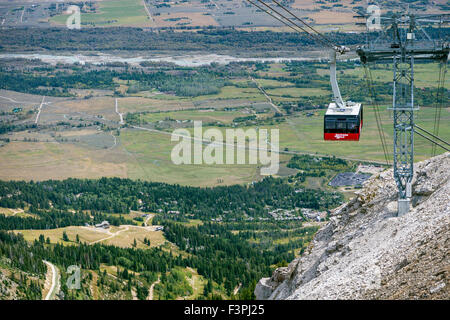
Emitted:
pixel 112 13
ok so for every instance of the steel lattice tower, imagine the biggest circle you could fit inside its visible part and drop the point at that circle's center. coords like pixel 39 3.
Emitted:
pixel 402 41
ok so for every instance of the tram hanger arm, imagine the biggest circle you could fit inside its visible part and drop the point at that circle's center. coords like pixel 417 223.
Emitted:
pixel 333 78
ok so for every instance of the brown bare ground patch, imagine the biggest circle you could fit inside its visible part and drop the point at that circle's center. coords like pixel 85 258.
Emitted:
pixel 42 161
pixel 104 106
pixel 55 235
pixel 6 211
pixel 332 17
pixel 122 236
pixel 126 238
pixel 83 132
pixel 82 93
pixel 195 19
pixel 304 4
pixel 312 4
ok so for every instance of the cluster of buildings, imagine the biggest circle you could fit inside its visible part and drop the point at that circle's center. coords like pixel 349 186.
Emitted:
pixel 314 215
pixel 103 225
pixel 283 214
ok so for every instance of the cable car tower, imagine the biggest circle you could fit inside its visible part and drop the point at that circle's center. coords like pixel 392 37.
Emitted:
pixel 401 41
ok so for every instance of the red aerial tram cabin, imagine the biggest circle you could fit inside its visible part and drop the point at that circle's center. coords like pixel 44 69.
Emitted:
pixel 343 124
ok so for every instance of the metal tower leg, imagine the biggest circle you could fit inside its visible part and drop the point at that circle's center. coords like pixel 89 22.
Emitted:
pixel 399 41
pixel 403 112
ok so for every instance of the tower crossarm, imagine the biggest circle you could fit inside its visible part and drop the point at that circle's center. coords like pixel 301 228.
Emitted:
pixel 401 41
pixel 387 55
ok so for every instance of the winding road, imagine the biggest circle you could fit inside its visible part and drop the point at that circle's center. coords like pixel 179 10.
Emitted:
pixel 53 280
pixel 148 218
pixel 115 141
pixel 152 287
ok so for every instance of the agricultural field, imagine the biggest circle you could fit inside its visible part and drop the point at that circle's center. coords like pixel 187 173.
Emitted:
pixel 192 15
pixel 426 74
pixel 80 136
pixel 112 13
pixel 205 115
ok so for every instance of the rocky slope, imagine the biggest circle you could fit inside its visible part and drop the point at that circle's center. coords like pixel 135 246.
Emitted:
pixel 367 252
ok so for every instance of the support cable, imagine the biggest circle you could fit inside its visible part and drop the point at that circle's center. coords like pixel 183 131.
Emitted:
pixel 306 24
pixel 432 141
pixel 325 43
pixel 429 133
pixel 439 102
pixel 275 17
pixel 376 110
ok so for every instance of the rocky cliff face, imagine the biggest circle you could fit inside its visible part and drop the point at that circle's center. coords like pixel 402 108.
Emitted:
pixel 366 252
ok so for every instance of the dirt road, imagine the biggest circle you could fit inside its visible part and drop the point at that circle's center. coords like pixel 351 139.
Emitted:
pixel 267 97
pixel 51 281
pixel 152 287
pixel 40 109
pixel 148 218
pixel 150 17
pixel 112 235
pixel 120 114
pixel 16 211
